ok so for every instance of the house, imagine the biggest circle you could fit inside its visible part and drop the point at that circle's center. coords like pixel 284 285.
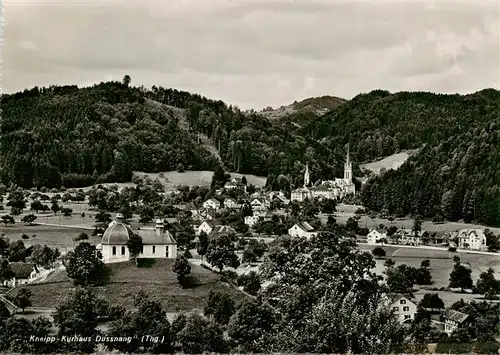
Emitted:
pixel 300 194
pixel 22 273
pixel 220 230
pixel 211 203
pixel 407 237
pixel 256 217
pixel 375 236
pixel 323 191
pixel 229 202
pixel 157 242
pixel 453 320
pixel 207 226
pixel 302 229
pixel 259 203
pixel 403 308
pixel 235 182
pixel 473 239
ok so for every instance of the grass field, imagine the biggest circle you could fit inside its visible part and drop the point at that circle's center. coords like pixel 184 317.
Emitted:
pixel 345 211
pixel 391 162
pixel 127 280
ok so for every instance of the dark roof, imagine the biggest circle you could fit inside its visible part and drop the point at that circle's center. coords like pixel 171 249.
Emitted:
pixel 21 270
pixel 211 222
pixel 455 315
pixel 393 297
pixel 220 230
pixel 116 234
pixel 150 237
pixel 305 226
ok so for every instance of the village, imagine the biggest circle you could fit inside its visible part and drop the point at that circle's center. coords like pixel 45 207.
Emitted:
pixel 173 224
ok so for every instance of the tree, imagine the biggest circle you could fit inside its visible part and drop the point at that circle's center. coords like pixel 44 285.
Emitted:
pixel 250 282
pixel 244 180
pixel 17 251
pixel 4 312
pixel 84 265
pixel 82 236
pixel 378 252
pixel 182 268
pixel 417 226
pixel 220 307
pixel 180 168
pixel 135 246
pixel 126 80
pixel 221 252
pixel 55 207
pixel 6 273
pixel 199 335
pixel 431 301
pixel 103 218
pixel 425 264
pixel 23 298
pixel 492 241
pixel 401 279
pixel 79 315
pixel 423 276
pixel 44 256
pixel 29 219
pixel 202 245
pixel 460 277
pixel 250 325
pixel 66 212
pixel 248 255
pixel 352 225
pixel 389 263
pixel 6 219
pixel 146 214
pixel 487 282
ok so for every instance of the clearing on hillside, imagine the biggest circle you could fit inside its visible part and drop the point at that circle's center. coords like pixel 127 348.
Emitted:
pixel 127 280
pixel 391 162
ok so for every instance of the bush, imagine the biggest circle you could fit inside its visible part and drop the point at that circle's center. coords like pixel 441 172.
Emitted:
pixel 230 274
pixel 452 249
pixel 187 254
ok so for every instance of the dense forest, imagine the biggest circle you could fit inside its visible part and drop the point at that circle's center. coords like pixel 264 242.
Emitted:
pixel 78 136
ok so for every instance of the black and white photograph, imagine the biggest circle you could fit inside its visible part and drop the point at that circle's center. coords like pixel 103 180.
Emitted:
pixel 249 177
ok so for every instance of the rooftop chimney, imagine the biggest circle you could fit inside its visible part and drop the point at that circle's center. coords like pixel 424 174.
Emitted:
pixel 159 227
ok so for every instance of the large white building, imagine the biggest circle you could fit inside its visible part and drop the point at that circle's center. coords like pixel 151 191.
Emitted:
pixel 302 229
pixel 474 239
pixel 157 242
pixel 328 189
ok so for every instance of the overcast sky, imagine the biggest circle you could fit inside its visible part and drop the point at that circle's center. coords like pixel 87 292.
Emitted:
pixel 254 53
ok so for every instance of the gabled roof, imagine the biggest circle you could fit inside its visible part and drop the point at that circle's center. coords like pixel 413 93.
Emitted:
pixel 221 229
pixel 306 227
pixel 149 237
pixel 455 315
pixel 229 199
pixel 211 222
pixel 301 190
pixel 213 200
pixel 21 270
pixel 465 233
pixel 394 297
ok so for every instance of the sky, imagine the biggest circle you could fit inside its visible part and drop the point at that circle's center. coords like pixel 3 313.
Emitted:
pixel 254 54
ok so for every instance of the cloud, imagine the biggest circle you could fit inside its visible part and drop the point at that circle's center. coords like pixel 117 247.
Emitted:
pixel 254 54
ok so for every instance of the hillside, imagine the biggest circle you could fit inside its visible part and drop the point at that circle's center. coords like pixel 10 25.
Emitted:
pixel 393 161
pixel 81 136
pixel 316 105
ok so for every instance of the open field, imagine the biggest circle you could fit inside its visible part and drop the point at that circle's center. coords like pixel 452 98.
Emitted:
pixel 171 179
pixel 127 280
pixel 52 236
pixel 391 162
pixel 345 211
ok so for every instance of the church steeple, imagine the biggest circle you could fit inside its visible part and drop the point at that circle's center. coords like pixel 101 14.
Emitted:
pixel 306 176
pixel 348 166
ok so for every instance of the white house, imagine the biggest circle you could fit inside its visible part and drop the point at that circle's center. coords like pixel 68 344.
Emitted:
pixel 235 182
pixel 211 203
pixel 206 226
pixel 259 203
pixel 157 242
pixel 229 202
pixel 300 194
pixel 453 320
pixel 301 229
pixel 474 239
pixel 407 237
pixel 403 308
pixel 375 236
pixel 257 215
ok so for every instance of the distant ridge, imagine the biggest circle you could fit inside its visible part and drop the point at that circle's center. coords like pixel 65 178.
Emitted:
pixel 319 105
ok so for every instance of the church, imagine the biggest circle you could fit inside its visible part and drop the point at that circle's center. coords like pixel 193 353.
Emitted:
pixel 157 242
pixel 329 189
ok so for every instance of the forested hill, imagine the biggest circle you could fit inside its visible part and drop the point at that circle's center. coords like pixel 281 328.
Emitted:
pixel 78 136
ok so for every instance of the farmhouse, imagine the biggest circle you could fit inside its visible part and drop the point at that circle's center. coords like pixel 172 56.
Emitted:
pixel 220 230
pixel 403 308
pixel 301 194
pixel 375 236
pixel 259 203
pixel 22 273
pixel 157 242
pixel 302 229
pixel 229 202
pixel 235 182
pixel 211 203
pixel 206 226
pixel 474 239
pixel 453 320
pixel 257 215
